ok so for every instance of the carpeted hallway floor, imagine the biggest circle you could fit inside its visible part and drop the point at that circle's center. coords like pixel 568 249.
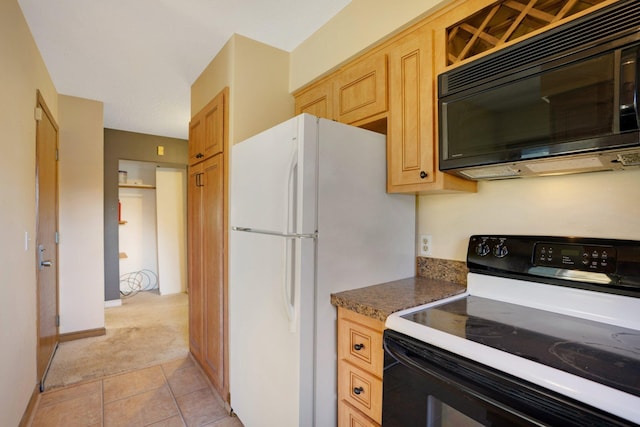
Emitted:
pixel 146 330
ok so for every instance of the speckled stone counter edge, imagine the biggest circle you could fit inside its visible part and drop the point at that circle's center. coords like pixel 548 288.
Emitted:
pixel 437 279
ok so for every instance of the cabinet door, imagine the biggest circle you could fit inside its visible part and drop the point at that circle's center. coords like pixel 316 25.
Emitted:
pixel 213 117
pixel 316 100
pixel 361 89
pixel 411 142
pixel 196 139
pixel 213 261
pixel 194 256
pixel 206 130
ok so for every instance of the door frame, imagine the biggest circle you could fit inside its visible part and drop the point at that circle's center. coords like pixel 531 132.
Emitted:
pixel 42 110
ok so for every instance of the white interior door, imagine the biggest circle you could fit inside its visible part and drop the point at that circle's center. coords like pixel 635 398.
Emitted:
pixel 171 220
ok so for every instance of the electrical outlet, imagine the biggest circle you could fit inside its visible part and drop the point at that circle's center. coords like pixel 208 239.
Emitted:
pixel 425 244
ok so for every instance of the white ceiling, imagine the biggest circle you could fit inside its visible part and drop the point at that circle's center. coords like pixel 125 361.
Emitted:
pixel 140 57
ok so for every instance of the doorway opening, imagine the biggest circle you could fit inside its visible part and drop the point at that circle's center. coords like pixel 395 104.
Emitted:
pixel 152 217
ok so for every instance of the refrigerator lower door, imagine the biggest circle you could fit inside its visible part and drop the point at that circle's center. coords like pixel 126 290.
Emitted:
pixel 265 338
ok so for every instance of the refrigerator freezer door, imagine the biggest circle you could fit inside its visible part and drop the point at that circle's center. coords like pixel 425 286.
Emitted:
pixel 273 179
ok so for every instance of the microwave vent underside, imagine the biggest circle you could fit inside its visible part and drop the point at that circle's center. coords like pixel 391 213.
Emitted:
pixel 606 161
pixel 616 19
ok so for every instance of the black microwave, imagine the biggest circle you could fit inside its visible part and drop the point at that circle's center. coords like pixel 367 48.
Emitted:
pixel 564 101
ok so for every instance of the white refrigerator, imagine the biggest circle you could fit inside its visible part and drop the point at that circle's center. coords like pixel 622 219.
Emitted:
pixel 309 217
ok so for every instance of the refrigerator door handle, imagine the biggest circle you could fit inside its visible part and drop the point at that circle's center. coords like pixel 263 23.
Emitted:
pixel 291 227
pixel 288 286
pixel 275 233
pixel 292 191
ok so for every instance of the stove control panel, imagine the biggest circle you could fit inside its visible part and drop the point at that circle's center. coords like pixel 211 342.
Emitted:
pixel 599 259
pixel 606 265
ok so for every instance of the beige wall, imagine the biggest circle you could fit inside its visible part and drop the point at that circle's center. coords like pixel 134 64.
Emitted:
pixel 601 204
pixel 597 204
pixel 359 25
pixel 215 77
pixel 22 72
pixel 257 76
pixel 81 206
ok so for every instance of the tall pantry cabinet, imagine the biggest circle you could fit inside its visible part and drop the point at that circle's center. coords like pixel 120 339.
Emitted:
pixel 207 237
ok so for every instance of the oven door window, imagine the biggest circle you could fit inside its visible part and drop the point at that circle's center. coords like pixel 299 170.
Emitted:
pixel 424 386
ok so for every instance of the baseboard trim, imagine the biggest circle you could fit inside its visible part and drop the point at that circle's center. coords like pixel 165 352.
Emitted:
pixel 113 303
pixel 71 336
pixel 29 412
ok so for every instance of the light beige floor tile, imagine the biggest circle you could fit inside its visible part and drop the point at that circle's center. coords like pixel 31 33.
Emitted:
pixel 226 422
pixel 72 392
pixel 187 380
pixel 77 412
pixel 132 383
pixel 170 422
pixel 200 408
pixel 140 410
pixel 170 367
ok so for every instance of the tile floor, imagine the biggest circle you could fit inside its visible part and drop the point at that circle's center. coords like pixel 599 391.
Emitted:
pixel 167 395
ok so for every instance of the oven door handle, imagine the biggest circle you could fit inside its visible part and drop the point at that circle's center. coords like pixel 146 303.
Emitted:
pixel 445 369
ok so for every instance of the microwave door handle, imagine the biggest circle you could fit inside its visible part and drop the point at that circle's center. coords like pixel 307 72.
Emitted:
pixel 629 89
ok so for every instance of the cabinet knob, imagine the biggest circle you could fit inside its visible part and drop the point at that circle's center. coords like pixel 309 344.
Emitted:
pixel 358 347
pixel 199 156
pixel 423 174
pixel 358 390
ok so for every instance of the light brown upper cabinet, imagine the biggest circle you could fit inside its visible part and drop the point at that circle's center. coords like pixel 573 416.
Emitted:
pixel 317 100
pixel 391 90
pixel 206 131
pixel 410 147
pixel 361 89
pixel 412 134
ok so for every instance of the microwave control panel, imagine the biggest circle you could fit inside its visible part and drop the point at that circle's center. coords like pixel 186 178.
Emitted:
pixel 597 259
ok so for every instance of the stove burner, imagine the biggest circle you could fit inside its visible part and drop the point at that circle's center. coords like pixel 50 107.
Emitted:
pixel 478 329
pixel 610 365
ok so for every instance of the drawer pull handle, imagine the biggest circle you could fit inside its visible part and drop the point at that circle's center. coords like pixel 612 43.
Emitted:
pixel 358 347
pixel 358 390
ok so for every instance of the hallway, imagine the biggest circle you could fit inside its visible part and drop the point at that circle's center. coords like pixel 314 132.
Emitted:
pixel 139 374
pixel 147 329
pixel 170 394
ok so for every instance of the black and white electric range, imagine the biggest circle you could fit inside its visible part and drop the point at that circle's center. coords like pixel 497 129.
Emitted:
pixel 548 333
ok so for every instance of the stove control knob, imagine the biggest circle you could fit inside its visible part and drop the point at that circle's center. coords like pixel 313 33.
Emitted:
pixel 500 250
pixel 482 249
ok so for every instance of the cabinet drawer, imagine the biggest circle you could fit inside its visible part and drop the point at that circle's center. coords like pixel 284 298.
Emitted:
pixel 360 341
pixel 361 346
pixel 360 389
pixel 348 416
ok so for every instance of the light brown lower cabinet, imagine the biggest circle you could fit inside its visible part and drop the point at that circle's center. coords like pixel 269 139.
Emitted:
pixel 207 291
pixel 360 365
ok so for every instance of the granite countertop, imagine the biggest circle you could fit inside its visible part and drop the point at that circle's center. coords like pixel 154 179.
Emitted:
pixel 379 301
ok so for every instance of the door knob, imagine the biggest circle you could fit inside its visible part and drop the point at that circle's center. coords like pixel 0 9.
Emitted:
pixel 41 260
